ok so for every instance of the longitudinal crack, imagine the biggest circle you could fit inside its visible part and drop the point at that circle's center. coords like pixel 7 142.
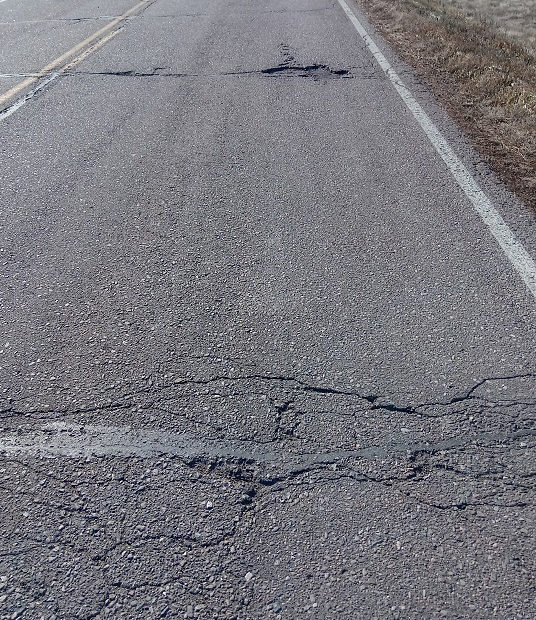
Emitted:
pixel 316 72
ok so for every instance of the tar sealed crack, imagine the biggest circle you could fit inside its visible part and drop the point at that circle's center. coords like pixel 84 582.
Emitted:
pixel 317 72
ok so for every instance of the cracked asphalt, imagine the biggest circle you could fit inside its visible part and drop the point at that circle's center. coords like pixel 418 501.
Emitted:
pixel 259 357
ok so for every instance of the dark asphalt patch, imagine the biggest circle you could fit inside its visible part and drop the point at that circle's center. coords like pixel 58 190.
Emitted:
pixel 316 72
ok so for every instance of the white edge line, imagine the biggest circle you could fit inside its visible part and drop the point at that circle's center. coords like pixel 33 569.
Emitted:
pixel 20 102
pixel 510 245
pixel 52 76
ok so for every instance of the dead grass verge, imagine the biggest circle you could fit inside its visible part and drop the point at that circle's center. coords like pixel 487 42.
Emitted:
pixel 486 81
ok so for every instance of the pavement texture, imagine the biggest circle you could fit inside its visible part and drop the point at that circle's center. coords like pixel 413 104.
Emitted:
pixel 259 356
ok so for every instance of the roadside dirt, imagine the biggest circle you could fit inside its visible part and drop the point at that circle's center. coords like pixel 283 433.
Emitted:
pixel 484 78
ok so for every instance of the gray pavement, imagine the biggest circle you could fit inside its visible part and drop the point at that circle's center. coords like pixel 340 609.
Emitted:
pixel 259 356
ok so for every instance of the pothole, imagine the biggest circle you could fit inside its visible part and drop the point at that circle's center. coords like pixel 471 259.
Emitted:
pixel 316 72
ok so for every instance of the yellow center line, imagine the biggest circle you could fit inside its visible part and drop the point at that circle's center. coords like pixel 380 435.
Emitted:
pixel 61 59
pixel 87 52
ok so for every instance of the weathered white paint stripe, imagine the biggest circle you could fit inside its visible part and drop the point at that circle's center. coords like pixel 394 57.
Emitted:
pixel 17 75
pixel 64 20
pixel 29 95
pixel 77 441
pixel 58 62
pixel 510 245
pixel 70 440
pixel 51 77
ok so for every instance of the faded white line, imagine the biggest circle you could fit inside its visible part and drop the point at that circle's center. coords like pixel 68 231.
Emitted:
pixel 70 440
pixel 510 245
pixel 56 63
pixel 29 95
pixel 50 78
pixel 78 441
pixel 65 20
pixel 17 75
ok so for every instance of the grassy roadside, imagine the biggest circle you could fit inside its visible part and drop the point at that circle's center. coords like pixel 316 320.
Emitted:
pixel 485 81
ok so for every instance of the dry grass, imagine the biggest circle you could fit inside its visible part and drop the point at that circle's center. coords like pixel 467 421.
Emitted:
pixel 485 80
pixel 516 18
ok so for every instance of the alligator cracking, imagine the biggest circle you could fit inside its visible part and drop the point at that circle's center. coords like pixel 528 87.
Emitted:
pixel 171 482
pixel 483 437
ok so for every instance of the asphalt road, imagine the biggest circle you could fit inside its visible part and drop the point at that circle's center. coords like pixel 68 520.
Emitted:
pixel 260 357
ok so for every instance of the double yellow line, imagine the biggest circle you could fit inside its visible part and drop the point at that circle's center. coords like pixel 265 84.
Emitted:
pixel 86 47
